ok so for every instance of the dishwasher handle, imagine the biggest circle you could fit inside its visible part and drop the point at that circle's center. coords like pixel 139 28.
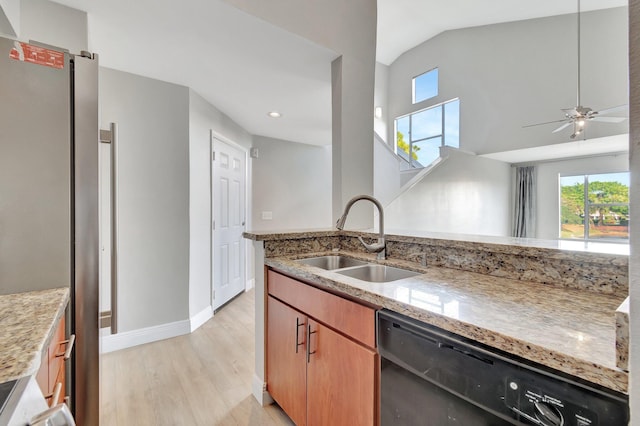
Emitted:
pixel 465 352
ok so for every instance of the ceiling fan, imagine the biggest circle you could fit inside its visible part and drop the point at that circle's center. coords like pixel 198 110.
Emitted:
pixel 580 115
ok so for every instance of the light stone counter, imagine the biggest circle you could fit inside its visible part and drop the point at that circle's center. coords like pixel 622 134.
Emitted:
pixel 27 323
pixel 543 303
pixel 622 335
pixel 569 330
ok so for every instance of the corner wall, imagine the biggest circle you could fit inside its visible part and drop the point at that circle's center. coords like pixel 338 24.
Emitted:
pixel 386 178
pixel 464 194
pixel 634 260
pixel 54 24
pixel 380 95
pixel 204 117
pixel 153 195
pixel 352 34
pixel 292 181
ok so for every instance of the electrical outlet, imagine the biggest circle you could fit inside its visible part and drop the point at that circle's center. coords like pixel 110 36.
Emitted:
pixel 267 215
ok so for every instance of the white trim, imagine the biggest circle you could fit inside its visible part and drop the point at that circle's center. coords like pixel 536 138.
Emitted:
pixel 251 283
pixel 259 390
pixel 200 318
pixel 128 339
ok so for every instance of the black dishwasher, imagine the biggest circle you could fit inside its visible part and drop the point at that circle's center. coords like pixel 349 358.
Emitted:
pixel 431 377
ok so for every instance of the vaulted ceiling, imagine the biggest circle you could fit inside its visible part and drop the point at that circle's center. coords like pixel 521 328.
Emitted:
pixel 247 67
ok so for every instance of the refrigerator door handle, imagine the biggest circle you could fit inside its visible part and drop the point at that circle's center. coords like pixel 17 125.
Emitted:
pixel 111 137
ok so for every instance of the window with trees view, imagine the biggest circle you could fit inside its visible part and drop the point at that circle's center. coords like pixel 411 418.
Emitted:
pixel 420 135
pixel 595 207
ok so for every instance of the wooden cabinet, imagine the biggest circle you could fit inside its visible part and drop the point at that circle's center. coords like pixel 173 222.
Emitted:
pixel 286 359
pixel 321 357
pixel 51 376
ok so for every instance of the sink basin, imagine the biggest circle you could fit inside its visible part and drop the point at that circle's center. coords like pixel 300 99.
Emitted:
pixel 378 273
pixel 331 262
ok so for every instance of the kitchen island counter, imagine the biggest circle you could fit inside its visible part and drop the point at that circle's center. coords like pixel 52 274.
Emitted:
pixel 28 321
pixel 569 330
pixel 566 324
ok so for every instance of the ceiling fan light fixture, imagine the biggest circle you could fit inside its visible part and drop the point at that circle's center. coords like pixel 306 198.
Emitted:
pixel 577 128
pixel 580 122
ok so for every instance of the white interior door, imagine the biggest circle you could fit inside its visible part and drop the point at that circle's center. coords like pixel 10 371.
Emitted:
pixel 228 183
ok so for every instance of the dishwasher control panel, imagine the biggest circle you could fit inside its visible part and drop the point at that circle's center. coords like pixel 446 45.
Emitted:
pixel 540 406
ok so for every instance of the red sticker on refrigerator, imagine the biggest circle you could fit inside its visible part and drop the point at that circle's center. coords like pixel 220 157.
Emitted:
pixel 37 55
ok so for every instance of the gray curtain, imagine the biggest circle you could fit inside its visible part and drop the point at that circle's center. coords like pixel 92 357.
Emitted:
pixel 524 217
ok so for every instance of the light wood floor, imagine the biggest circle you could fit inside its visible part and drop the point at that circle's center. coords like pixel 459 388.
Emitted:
pixel 199 379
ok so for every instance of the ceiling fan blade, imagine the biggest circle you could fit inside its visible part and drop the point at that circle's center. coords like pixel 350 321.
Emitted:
pixel 546 122
pixel 564 126
pixel 619 108
pixel 571 111
pixel 609 119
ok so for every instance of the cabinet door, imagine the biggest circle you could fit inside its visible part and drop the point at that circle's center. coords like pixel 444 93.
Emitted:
pixel 340 380
pixel 286 362
pixel 56 358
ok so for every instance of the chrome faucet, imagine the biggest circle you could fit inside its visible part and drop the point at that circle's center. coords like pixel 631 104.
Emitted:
pixel 380 246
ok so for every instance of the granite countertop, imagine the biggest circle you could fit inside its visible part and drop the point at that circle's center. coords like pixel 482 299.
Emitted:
pixel 509 244
pixel 27 321
pixel 566 329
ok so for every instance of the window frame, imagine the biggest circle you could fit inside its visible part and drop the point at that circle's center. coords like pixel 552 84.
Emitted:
pixel 587 208
pixel 413 86
pixel 411 142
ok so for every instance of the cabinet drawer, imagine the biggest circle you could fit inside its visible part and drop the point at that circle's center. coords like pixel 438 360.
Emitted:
pixel 351 318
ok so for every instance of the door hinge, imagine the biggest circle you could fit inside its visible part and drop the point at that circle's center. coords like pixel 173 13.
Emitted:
pixel 213 225
pixel 213 156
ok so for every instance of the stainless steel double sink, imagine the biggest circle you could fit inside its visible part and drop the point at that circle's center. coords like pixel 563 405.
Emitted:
pixel 358 269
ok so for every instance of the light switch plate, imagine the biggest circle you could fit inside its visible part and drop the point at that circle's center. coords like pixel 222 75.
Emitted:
pixel 267 215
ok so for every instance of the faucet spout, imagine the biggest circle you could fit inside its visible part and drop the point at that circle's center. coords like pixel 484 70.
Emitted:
pixel 380 246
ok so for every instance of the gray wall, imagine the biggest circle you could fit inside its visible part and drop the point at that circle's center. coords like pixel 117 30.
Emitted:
pixel 465 194
pixel 387 180
pixel 293 182
pixel 348 28
pixel 54 24
pixel 380 98
pixel 10 17
pixel 153 196
pixel 634 261
pixel 548 216
pixel 518 73
pixel 203 117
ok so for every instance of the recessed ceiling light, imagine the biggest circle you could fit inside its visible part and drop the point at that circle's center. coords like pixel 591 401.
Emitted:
pixel 274 114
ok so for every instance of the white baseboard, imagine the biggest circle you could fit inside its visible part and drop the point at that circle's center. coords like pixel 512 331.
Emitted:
pixel 201 317
pixel 250 284
pixel 128 339
pixel 259 389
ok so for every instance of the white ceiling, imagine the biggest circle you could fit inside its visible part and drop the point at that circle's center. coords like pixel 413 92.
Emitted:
pixel 580 148
pixel 242 65
pixel 247 67
pixel 404 24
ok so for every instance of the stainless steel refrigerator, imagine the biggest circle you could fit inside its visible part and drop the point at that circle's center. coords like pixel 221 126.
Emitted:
pixel 49 193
